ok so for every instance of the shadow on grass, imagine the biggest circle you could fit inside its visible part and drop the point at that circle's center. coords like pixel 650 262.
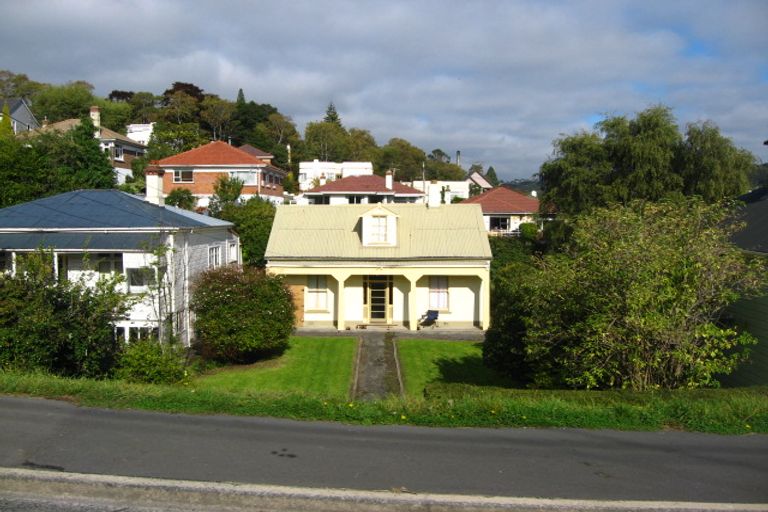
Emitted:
pixel 470 370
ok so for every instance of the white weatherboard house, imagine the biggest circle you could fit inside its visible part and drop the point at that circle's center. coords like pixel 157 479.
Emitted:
pixel 355 265
pixel 159 250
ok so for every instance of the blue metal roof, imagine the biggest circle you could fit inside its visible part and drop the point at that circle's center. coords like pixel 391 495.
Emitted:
pixel 100 209
pixel 79 241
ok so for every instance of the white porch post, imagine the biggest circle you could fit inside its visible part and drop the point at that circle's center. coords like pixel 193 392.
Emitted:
pixel 413 319
pixel 341 311
pixel 485 301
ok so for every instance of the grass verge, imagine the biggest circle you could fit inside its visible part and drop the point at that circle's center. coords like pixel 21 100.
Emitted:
pixel 445 388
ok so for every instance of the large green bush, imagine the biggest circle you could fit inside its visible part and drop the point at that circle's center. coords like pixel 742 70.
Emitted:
pixel 634 302
pixel 153 362
pixel 62 327
pixel 241 314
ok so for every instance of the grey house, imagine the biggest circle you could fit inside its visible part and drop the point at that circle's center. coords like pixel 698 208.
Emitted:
pixel 95 232
pixel 752 314
pixel 22 118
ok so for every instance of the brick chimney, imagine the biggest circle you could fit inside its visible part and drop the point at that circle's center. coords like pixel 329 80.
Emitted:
pixel 154 181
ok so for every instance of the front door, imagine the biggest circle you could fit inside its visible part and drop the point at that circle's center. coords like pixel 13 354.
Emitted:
pixel 378 299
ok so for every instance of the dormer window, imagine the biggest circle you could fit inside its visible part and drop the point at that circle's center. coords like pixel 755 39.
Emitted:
pixel 379 227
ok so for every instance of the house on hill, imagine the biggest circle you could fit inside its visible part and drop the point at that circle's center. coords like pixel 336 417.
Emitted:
pixel 505 209
pixel 158 250
pixel 310 173
pixel 22 118
pixel 362 190
pixel 199 168
pixel 386 264
pixel 121 150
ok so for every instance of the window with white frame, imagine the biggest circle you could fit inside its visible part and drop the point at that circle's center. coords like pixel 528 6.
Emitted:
pixel 214 256
pixel 118 152
pixel 183 176
pixel 247 177
pixel 378 229
pixel 140 279
pixel 438 293
pixel 233 252
pixel 317 293
pixel 109 263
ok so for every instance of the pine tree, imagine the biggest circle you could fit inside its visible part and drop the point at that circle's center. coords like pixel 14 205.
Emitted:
pixel 490 175
pixel 240 97
pixel 331 116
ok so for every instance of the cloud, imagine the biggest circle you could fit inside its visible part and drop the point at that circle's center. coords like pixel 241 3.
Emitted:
pixel 497 80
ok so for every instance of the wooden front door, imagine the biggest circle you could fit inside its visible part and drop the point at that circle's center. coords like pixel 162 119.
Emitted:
pixel 297 292
pixel 377 291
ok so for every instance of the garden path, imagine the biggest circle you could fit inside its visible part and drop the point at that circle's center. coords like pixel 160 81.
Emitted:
pixel 377 372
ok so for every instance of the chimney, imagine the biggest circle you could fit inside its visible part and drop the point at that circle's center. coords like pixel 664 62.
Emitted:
pixel 433 197
pixel 96 117
pixel 154 181
pixel 458 158
pixel 534 193
pixel 388 180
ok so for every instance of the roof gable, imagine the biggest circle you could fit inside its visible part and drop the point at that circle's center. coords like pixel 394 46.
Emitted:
pixel 504 200
pixel 99 209
pixel 104 133
pixel 213 153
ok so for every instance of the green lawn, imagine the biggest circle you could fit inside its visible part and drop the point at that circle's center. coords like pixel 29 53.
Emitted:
pixel 311 366
pixel 423 362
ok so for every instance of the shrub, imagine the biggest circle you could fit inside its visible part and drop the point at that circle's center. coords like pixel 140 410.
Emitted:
pixel 181 198
pixel 242 314
pixel 152 362
pixel 61 327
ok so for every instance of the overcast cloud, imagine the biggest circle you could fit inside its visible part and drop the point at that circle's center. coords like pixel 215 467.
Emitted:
pixel 497 80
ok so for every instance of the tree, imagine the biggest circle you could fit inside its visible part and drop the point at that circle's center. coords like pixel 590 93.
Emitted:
pixel 475 167
pixel 218 114
pixel 170 139
pixel 180 108
pixel 242 314
pixel 240 97
pixel 711 166
pixel 120 96
pixel 490 175
pixel 144 107
pixel 245 119
pixel 289 183
pixel 253 223
pixel 362 146
pixel 635 301
pixel 326 141
pixel 331 116
pixel 439 155
pixel 6 127
pixel 439 170
pixel 181 198
pixel 403 156
pixel 115 115
pixel 58 102
pixel 226 191
pixel 186 88
pixel 642 158
pixel 17 85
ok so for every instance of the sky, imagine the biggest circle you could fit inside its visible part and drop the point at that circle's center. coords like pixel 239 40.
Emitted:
pixel 497 80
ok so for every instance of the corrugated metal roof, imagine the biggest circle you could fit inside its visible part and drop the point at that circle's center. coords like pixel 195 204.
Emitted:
pixel 79 241
pixel 100 209
pixel 326 232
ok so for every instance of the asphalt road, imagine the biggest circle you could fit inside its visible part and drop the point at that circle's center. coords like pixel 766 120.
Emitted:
pixel 551 463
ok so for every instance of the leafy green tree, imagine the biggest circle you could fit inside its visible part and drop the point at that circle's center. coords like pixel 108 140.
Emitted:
pixel 362 146
pixel 23 173
pixel 253 223
pixel 490 175
pixel 170 139
pixel 331 116
pixel 17 85
pixel 635 302
pixel 245 119
pixel 186 88
pixel 475 167
pixel 181 198
pixel 226 191
pixel 440 156
pixel 115 115
pixel 58 326
pixel 273 134
pixel 144 107
pixel 326 141
pixel 180 108
pixel 240 97
pixel 242 314
pixel 218 114
pixel 289 183
pixel 404 157
pixel 58 102
pixel 6 127
pixel 711 165
pixel 439 170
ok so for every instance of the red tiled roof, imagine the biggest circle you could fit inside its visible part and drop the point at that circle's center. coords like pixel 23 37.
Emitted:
pixel 505 200
pixel 370 184
pixel 214 153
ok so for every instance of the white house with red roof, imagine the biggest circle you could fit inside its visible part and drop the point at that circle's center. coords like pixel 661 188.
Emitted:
pixel 362 190
pixel 505 209
pixel 199 168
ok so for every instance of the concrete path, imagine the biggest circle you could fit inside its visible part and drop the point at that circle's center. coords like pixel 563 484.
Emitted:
pixel 377 372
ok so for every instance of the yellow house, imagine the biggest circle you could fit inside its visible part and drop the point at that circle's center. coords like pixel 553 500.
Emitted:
pixel 354 265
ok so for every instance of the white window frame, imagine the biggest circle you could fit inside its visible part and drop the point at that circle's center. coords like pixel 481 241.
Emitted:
pixel 179 176
pixel 438 293
pixel 118 153
pixel 214 256
pixel 140 288
pixel 108 262
pixel 379 229
pixel 317 293
pixel 233 252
